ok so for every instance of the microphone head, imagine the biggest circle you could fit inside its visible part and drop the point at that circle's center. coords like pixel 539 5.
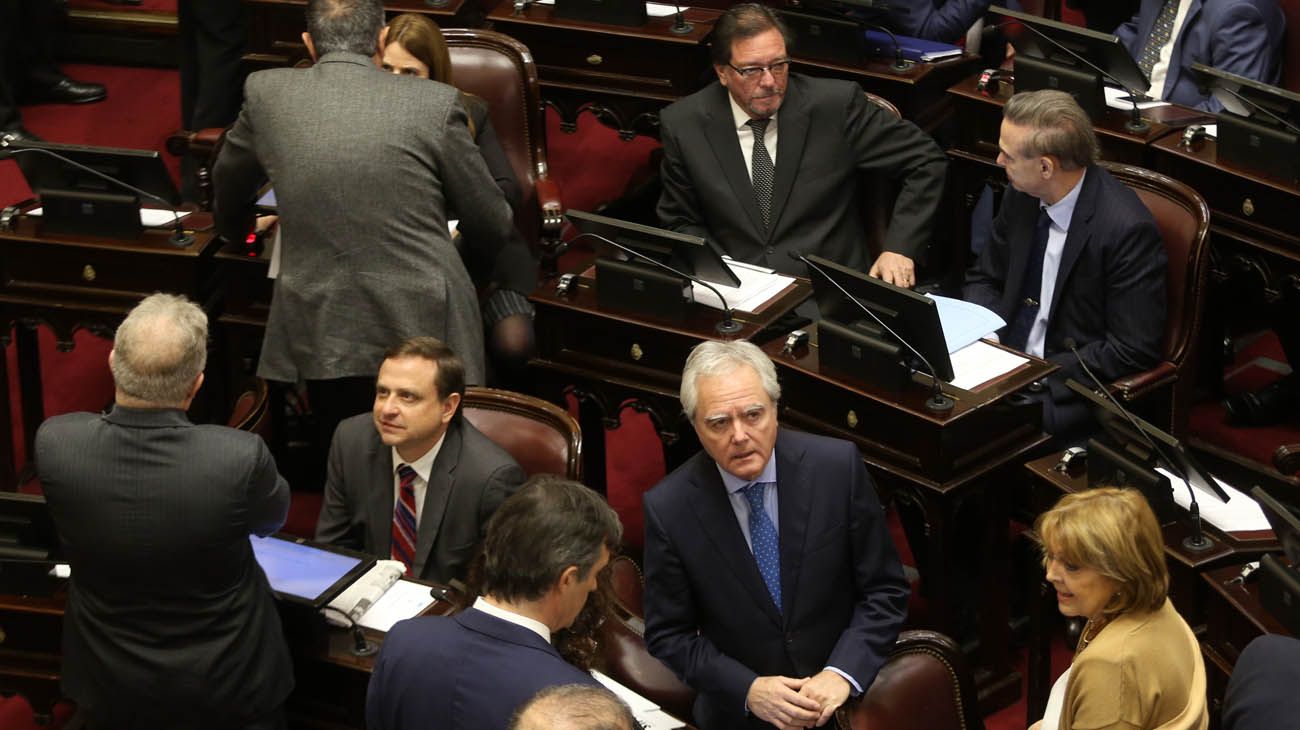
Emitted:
pixel 794 255
pixel 1070 343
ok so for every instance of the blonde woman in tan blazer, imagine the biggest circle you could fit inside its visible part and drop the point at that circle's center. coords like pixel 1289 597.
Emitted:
pixel 1138 665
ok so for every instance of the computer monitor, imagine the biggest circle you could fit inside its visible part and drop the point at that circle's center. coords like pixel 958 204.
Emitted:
pixel 822 38
pixel 75 201
pixel 1169 453
pixel 306 573
pixel 610 12
pixel 691 254
pixel 1260 126
pixel 913 317
pixel 26 528
pixel 1279 587
pixel 1055 55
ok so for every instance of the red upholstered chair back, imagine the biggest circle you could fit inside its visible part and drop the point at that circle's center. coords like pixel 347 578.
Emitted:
pixel 250 412
pixel 542 437
pixel 925 685
pixel 500 70
pixel 1184 222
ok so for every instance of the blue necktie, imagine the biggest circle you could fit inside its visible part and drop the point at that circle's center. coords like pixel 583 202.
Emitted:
pixel 1031 287
pixel 762 538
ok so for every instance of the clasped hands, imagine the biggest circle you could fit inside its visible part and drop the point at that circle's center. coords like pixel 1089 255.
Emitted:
pixel 789 703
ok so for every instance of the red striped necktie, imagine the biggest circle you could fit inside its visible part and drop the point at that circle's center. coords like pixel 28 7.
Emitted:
pixel 404 525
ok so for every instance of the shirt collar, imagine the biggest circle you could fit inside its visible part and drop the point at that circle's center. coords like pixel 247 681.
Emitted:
pixel 147 417
pixel 1062 211
pixel 532 625
pixel 423 466
pixel 739 116
pixel 734 483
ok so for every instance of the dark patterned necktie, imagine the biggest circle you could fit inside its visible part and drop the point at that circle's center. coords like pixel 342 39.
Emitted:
pixel 762 169
pixel 763 540
pixel 1160 33
pixel 1031 287
pixel 404 525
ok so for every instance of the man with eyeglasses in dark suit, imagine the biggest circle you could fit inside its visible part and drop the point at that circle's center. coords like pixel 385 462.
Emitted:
pixel 767 162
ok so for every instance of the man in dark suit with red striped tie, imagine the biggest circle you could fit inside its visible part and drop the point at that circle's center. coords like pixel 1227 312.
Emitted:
pixel 412 480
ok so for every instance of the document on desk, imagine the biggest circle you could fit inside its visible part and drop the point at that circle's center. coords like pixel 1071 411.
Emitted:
pixel 650 715
pixel 149 217
pixel 980 362
pixel 965 322
pixel 1240 513
pixel 653 10
pixel 404 599
pixel 1117 98
pixel 758 286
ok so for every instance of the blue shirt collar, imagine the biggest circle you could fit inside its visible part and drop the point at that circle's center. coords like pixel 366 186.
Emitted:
pixel 734 483
pixel 1062 211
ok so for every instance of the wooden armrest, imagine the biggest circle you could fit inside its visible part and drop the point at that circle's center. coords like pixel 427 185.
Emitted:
pixel 548 199
pixel 1286 459
pixel 1137 385
pixel 199 143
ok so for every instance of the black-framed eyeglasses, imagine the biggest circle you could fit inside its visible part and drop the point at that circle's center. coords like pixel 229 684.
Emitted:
pixel 779 68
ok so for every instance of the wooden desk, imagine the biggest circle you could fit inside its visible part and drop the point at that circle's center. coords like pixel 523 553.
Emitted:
pixel 1234 617
pixel 81 282
pixel 951 468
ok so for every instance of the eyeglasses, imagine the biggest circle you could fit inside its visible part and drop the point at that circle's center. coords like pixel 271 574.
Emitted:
pixel 749 73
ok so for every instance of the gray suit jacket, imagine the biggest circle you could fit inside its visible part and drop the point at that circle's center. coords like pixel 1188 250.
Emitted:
pixel 365 167
pixel 170 622
pixel 470 478
pixel 831 142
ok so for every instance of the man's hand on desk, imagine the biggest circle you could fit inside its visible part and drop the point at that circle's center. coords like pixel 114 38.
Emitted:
pixel 777 700
pixel 829 690
pixel 894 268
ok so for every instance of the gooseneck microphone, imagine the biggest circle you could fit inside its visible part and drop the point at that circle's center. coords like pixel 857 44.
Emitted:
pixel 900 63
pixel 728 325
pixel 1197 541
pixel 179 238
pixel 938 402
pixel 680 25
pixel 1135 124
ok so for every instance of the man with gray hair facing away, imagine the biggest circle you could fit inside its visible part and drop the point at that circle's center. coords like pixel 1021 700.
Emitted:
pixel 1074 261
pixel 170 621
pixel 772 586
pixel 575 707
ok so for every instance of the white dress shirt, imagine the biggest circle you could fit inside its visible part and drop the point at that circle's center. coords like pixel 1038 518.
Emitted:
pixel 1060 213
pixel 746 136
pixel 422 466
pixel 533 625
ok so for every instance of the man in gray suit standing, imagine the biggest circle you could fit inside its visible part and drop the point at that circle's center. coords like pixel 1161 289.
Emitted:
pixel 414 481
pixel 367 169
pixel 170 622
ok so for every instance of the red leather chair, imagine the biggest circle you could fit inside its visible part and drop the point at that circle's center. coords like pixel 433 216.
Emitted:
pixel 542 437
pixel 1164 392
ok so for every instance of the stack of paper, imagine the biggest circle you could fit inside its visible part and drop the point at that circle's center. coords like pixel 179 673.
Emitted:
pixel 647 713
pixel 757 287
pixel 1239 514
pixel 965 322
pixel 980 362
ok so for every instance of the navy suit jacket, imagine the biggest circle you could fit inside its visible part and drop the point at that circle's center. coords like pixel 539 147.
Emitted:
pixel 1110 287
pixel 469 671
pixel 829 138
pixel 945 21
pixel 1243 37
pixel 1261 693
pixel 709 616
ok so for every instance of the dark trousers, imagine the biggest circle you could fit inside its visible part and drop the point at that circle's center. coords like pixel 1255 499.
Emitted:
pixel 212 34
pixel 26 53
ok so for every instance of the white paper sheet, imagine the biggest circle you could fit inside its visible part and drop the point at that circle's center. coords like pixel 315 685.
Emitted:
pixel 650 715
pixel 980 362
pixel 965 322
pixel 1114 102
pixel 1241 513
pixel 654 10
pixel 149 217
pixel 758 286
pixel 402 601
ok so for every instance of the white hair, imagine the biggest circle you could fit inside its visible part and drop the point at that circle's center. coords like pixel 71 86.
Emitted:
pixel 720 358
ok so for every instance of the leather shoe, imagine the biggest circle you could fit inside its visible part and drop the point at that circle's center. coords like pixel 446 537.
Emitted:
pixel 68 91
pixel 19 134
pixel 1264 407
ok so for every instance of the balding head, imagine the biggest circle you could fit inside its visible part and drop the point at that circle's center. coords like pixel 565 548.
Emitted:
pixel 574 707
pixel 159 351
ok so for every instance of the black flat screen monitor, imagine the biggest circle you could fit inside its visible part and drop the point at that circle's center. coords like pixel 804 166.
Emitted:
pixel 610 12
pixel 822 38
pixel 143 169
pixel 914 317
pixel 306 573
pixel 1171 453
pixel 1286 525
pixel 691 254
pixel 1055 55
pixel 26 528
pixel 1261 127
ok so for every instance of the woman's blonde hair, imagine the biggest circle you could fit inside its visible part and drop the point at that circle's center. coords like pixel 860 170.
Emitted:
pixel 1114 532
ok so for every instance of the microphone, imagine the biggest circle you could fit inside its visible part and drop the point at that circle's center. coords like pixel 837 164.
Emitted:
pixel 1135 124
pixel 1197 541
pixel 938 402
pixel 727 326
pixel 900 63
pixel 179 238
pixel 680 26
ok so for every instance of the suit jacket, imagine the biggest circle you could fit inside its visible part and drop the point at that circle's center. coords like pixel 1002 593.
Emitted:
pixel 1261 692
pixel 365 166
pixel 945 21
pixel 1243 37
pixel 830 139
pixel 469 671
pixel 1110 287
pixel 470 478
pixel 170 621
pixel 709 616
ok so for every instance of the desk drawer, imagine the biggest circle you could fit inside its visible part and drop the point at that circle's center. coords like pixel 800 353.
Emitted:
pixel 73 271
